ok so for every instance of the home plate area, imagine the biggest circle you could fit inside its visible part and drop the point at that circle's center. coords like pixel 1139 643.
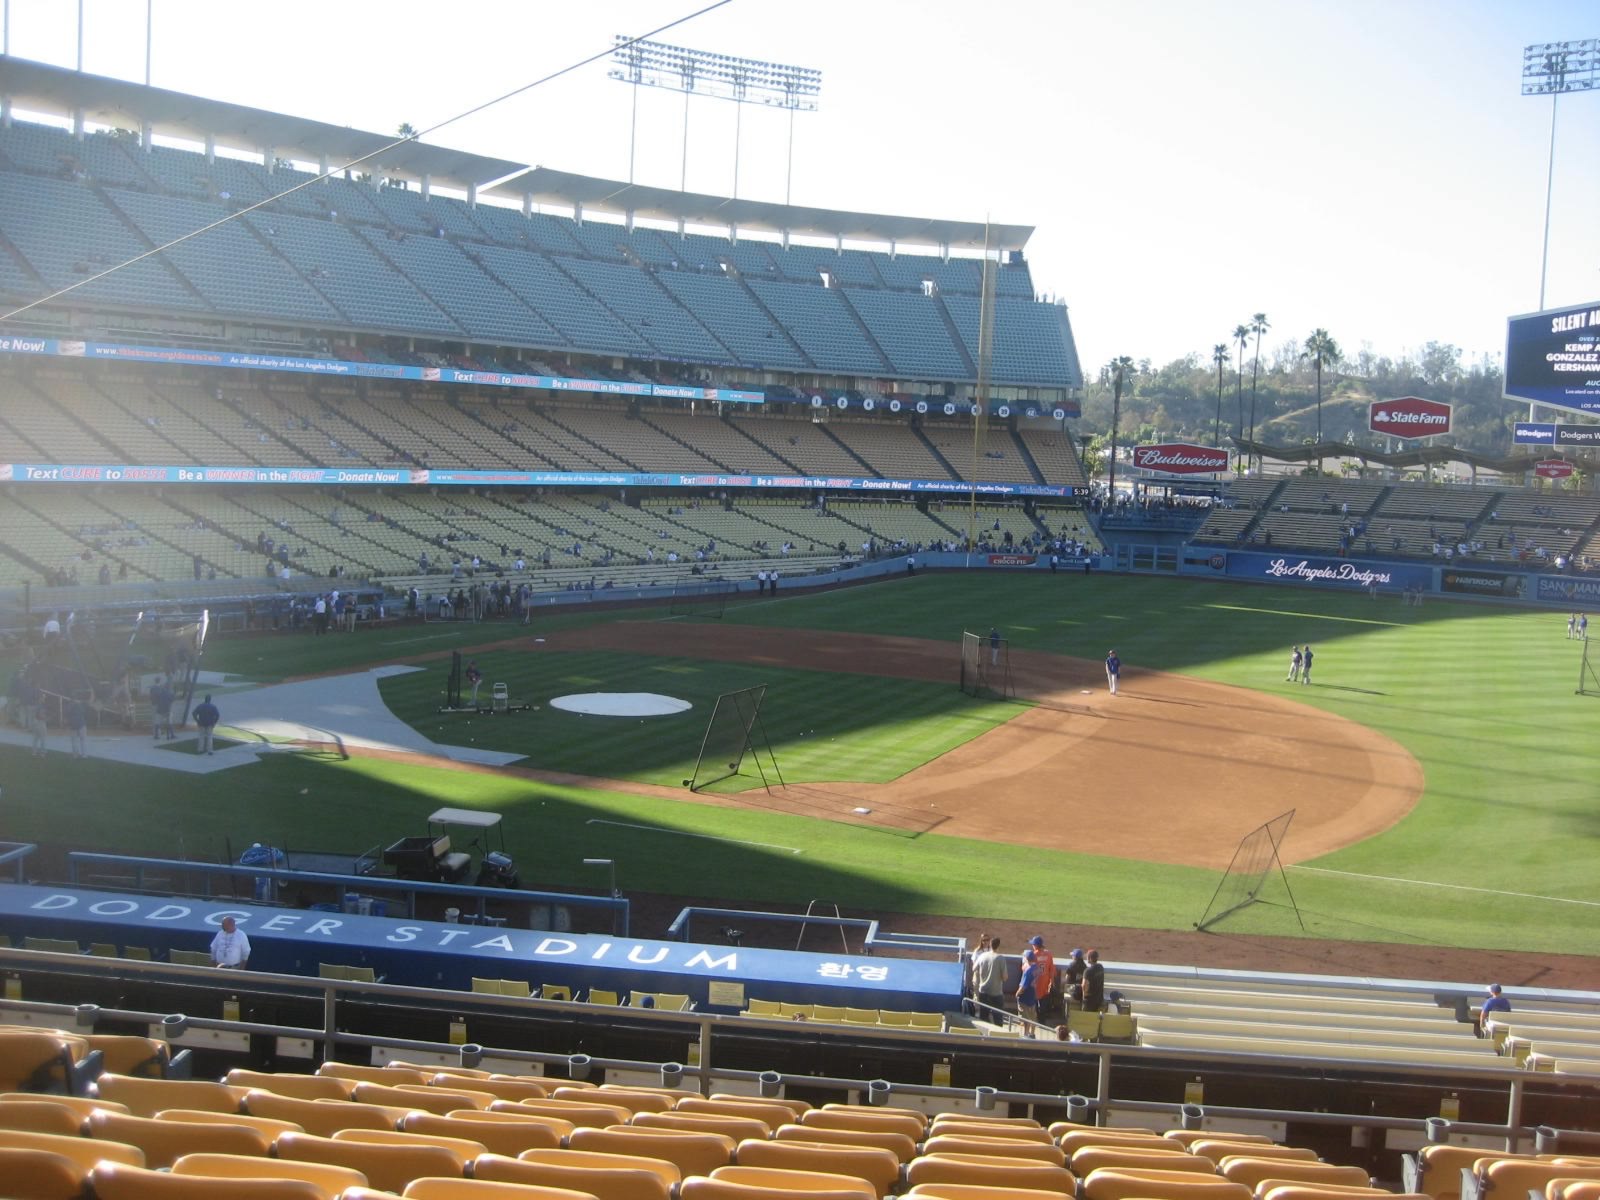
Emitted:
pixel 621 704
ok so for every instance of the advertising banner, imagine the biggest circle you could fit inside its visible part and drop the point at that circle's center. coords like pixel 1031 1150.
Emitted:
pixel 1553 357
pixel 1578 435
pixel 1012 560
pixel 1553 468
pixel 446 477
pixel 1181 458
pixel 1483 583
pixel 236 360
pixel 1349 574
pixel 1409 417
pixel 1569 589
pixel 1533 433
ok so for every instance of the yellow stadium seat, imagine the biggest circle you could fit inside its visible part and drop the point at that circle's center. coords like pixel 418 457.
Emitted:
pixel 1250 1170
pixel 1125 1183
pixel 164 1142
pixel 692 1153
pixel 903 1146
pixel 579 1112
pixel 333 1181
pixel 268 1126
pixel 1091 1158
pixel 633 1101
pixel 421 1096
pixel 322 1117
pixel 795 1182
pixel 478 1189
pixel 37 1062
pixel 941 1142
pixel 558 1127
pixel 42 1175
pixel 146 1097
pixel 116 1181
pixel 81 1150
pixel 879 1168
pixel 994 1172
pixel 37 1116
pixel 387 1167
pixel 600 1175
pixel 284 1083
pixel 1217 1149
pixel 976 1191
pixel 389 1076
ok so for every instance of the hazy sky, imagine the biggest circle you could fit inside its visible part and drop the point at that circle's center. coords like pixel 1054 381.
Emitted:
pixel 1364 165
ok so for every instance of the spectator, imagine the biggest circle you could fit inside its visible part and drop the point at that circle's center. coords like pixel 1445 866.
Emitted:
pixel 1094 983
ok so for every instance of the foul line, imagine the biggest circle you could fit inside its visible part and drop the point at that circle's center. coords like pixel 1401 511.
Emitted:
pixel 685 833
pixel 1460 887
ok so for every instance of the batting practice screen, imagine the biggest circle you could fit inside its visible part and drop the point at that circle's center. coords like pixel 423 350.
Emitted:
pixel 727 737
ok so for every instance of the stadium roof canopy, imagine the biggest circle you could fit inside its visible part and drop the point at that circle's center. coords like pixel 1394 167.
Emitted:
pixel 120 103
pixel 542 185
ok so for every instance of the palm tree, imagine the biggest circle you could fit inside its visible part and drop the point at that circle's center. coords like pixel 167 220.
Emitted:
pixel 1219 355
pixel 1120 367
pixel 406 130
pixel 1322 350
pixel 1258 326
pixel 1241 334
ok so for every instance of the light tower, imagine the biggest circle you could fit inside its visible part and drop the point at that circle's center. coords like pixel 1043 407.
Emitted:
pixel 1551 69
pixel 720 77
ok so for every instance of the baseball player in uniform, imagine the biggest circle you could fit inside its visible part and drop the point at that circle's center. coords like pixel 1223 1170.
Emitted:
pixel 1305 667
pixel 1113 671
pixel 1294 667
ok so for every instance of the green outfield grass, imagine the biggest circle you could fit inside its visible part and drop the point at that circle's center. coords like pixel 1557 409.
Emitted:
pixel 862 729
pixel 1497 854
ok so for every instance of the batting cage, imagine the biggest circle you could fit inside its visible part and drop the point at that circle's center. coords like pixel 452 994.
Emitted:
pixel 986 666
pixel 732 738
pixel 1248 872
pixel 707 599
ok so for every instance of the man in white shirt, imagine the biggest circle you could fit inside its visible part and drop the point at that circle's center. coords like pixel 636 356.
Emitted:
pixel 989 977
pixel 230 948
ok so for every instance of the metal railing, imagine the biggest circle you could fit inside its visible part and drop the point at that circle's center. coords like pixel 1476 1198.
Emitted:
pixel 410 889
pixel 16 853
pixel 707 1074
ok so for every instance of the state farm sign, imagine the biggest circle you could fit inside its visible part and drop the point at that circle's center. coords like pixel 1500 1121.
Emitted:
pixel 1409 417
pixel 1180 458
pixel 1553 468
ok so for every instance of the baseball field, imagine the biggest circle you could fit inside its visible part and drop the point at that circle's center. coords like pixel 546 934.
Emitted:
pixel 1440 765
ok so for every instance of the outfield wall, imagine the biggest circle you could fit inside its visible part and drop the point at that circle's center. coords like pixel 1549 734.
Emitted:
pixel 1326 573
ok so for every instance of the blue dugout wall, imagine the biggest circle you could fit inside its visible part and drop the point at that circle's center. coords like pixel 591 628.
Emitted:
pixel 436 954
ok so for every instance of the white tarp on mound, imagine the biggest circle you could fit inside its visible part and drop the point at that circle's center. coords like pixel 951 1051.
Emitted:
pixel 621 704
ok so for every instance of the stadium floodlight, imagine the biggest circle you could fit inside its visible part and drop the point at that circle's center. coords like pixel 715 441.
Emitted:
pixel 717 76
pixel 1551 69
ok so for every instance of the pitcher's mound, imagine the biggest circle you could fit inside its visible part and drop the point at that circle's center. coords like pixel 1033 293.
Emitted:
pixel 621 704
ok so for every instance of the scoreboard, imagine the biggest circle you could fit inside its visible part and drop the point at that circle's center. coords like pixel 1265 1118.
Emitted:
pixel 1553 357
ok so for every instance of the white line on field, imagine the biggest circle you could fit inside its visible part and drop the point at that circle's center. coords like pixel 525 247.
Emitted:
pixel 685 833
pixel 427 637
pixel 1460 887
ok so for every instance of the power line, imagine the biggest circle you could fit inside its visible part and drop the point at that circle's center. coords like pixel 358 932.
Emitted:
pixel 401 141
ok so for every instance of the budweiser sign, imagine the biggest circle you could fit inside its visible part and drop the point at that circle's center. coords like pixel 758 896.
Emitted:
pixel 1180 458
pixel 1409 417
pixel 1553 468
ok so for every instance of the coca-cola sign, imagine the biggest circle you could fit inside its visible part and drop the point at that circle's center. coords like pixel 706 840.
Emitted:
pixel 1409 417
pixel 1181 458
pixel 1553 468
